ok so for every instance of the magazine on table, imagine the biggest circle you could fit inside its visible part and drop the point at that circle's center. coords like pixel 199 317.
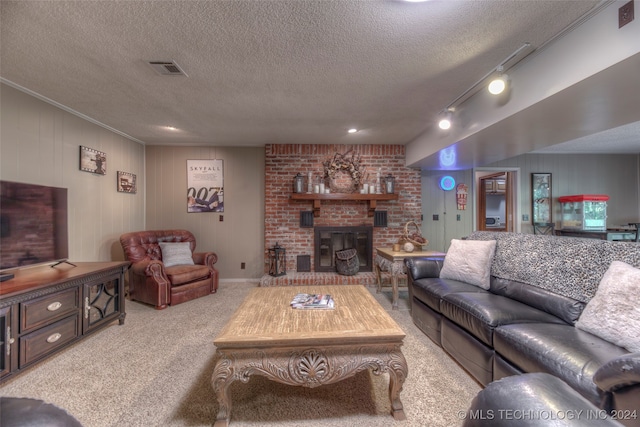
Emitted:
pixel 313 302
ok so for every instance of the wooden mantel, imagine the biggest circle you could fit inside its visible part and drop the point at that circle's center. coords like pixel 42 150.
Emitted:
pixel 318 198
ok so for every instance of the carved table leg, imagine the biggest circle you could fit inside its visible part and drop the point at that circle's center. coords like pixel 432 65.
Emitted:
pixel 308 367
pixel 394 285
pixel 378 277
pixel 220 380
pixel 397 374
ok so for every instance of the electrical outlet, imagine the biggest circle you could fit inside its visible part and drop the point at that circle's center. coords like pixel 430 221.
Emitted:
pixel 435 217
pixel 242 266
pixel 625 14
pixel 458 217
pixel 221 218
pixel 525 217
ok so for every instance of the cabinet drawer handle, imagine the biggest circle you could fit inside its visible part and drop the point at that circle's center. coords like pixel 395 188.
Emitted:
pixel 10 339
pixel 54 337
pixel 54 306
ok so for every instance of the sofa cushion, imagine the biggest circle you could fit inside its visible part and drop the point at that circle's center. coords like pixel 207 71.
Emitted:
pixel 568 309
pixel 176 253
pixel 558 349
pixel 181 274
pixel 613 313
pixel 431 291
pixel 481 313
pixel 469 261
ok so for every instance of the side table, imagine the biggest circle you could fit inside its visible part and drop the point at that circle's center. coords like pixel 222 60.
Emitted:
pixel 389 260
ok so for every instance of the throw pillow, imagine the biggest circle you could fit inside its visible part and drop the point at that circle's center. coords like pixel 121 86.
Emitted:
pixel 469 261
pixel 176 253
pixel 613 313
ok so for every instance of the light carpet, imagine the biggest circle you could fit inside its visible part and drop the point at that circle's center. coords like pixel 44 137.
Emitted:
pixel 155 370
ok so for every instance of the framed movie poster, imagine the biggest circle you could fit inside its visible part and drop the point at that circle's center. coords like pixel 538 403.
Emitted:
pixel 126 182
pixel 93 161
pixel 541 197
pixel 205 185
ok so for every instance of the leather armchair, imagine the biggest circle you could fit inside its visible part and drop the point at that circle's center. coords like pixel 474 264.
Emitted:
pixel 151 282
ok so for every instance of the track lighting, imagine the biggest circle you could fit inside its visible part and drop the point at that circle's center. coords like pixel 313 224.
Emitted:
pixel 445 120
pixel 496 86
pixel 499 83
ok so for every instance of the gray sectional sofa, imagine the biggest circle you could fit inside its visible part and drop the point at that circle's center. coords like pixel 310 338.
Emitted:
pixel 538 288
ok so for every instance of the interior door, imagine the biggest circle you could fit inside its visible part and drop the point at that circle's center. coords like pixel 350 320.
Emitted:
pixel 495 200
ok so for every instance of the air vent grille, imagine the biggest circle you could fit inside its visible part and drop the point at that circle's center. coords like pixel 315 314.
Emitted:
pixel 167 68
pixel 380 218
pixel 306 219
pixel 303 263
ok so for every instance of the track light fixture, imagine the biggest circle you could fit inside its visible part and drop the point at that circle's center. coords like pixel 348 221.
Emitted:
pixel 499 83
pixel 445 119
pixel 496 86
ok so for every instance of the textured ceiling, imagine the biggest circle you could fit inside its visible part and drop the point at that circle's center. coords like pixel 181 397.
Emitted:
pixel 290 71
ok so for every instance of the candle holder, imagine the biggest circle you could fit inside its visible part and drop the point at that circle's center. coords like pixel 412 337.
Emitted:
pixel 298 183
pixel 389 184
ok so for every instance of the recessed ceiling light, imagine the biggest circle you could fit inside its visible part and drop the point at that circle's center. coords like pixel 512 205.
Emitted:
pixel 352 130
pixel 171 128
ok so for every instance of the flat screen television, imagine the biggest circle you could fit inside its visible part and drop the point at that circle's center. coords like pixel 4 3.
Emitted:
pixel 33 225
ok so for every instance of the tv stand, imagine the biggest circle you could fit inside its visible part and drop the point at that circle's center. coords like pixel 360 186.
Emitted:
pixel 64 261
pixel 44 310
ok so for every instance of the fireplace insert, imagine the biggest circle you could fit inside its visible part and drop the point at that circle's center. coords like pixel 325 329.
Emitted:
pixel 329 239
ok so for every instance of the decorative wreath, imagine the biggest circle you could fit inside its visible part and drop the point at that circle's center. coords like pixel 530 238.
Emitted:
pixel 344 163
pixel 413 234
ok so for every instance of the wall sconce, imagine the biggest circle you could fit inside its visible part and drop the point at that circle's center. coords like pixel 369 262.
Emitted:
pixel 499 83
pixel 277 261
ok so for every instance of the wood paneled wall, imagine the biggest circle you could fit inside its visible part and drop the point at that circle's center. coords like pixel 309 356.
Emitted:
pixel 617 175
pixel 39 144
pixel 239 238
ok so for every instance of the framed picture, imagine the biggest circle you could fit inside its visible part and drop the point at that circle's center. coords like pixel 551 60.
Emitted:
pixel 126 182
pixel 93 161
pixel 205 186
pixel 541 200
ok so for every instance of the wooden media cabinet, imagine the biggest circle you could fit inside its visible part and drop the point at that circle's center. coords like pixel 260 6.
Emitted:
pixel 45 309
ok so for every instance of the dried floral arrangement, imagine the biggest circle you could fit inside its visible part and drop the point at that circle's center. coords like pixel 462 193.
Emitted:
pixel 341 165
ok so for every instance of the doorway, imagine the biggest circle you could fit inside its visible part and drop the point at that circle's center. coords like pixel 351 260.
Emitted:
pixel 496 204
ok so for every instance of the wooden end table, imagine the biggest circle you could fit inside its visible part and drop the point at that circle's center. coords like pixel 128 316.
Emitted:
pixel 308 348
pixel 389 260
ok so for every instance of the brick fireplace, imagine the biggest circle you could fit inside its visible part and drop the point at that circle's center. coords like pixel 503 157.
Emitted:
pixel 282 215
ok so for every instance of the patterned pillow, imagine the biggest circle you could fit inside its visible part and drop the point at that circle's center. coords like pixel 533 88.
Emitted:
pixel 613 313
pixel 469 261
pixel 176 253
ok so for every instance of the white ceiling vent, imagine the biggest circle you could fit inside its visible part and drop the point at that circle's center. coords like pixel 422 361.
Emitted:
pixel 167 68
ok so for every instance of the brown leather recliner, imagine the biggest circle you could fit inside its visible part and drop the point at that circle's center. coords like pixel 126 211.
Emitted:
pixel 153 283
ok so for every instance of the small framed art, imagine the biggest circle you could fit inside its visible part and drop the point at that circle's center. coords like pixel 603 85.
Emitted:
pixel 93 161
pixel 126 182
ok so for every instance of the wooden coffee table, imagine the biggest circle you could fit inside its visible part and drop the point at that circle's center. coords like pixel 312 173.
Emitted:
pixel 308 348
